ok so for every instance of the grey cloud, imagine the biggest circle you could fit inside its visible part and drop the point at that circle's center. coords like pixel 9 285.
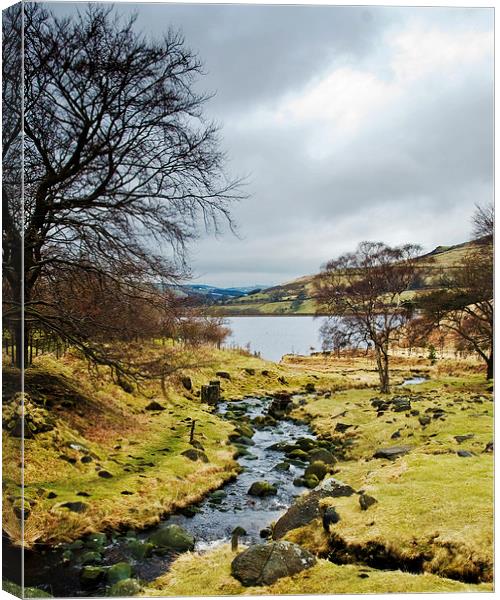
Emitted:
pixel 412 173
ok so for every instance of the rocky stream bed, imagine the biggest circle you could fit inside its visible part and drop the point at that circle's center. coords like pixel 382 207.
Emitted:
pixel 272 454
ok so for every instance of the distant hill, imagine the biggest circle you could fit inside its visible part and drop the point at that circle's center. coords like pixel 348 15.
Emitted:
pixel 295 297
pixel 209 294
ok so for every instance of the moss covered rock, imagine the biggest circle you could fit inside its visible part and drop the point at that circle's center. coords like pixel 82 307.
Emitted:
pixel 91 574
pixel 323 455
pixel 125 587
pixel 119 572
pixel 263 564
pixel 262 488
pixel 172 537
pixel 316 469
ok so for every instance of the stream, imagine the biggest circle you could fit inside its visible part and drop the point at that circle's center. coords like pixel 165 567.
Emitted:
pixel 212 525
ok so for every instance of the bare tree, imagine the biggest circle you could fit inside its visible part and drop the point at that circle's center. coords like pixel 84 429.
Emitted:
pixel 121 167
pixel 365 289
pixel 464 304
pixel 12 161
pixel 483 222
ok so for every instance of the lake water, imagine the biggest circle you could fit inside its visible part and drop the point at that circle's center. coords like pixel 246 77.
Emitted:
pixel 275 336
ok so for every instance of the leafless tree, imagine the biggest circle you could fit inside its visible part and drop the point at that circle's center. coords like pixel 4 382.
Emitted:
pixel 365 289
pixel 464 304
pixel 483 222
pixel 121 167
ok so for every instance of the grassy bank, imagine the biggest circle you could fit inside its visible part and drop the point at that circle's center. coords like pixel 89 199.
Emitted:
pixel 433 513
pixel 211 572
pixel 120 461
pixel 434 509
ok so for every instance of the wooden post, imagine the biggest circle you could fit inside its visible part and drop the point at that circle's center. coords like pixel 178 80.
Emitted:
pixel 191 435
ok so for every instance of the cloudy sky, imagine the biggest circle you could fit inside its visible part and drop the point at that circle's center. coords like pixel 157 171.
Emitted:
pixel 352 123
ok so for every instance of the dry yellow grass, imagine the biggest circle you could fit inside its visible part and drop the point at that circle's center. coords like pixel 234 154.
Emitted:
pixel 210 574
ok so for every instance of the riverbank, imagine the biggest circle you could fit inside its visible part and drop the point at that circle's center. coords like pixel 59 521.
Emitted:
pixel 116 454
pixel 434 507
pixel 433 514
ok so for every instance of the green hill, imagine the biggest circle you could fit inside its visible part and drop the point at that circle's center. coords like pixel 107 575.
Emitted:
pixel 295 297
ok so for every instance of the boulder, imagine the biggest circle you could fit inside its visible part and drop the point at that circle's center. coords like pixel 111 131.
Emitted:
pixel 263 564
pixel 305 444
pixel 154 406
pixel 317 469
pixel 280 406
pixel 249 371
pixel 282 466
pixel 306 508
pixel 365 501
pixel 325 456
pixel 311 481
pixel 463 438
pixel 140 550
pixel 298 454
pixel 264 421
pixel 401 404
pixel 262 488
pixel 91 575
pixel 464 454
pixel 424 420
pixel 77 507
pixel 392 453
pixel 187 383
pixel 342 427
pixel 217 497
pixel 241 440
pixel 223 375
pixel 125 588
pixel 330 517
pixel 210 394
pixel 172 537
pixel 380 404
pixel 245 430
pixel 194 454
pixel 105 474
pixel 118 572
pixel 489 447
pixel 310 388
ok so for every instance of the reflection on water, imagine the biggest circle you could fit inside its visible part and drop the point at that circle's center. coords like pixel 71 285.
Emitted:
pixel 273 337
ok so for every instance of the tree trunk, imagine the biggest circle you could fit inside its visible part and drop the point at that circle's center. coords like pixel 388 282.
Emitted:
pixel 489 364
pixel 382 358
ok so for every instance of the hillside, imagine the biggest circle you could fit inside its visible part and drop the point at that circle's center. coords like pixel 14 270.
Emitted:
pixel 295 297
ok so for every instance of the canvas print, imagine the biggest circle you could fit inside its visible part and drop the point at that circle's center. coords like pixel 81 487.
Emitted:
pixel 247 299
